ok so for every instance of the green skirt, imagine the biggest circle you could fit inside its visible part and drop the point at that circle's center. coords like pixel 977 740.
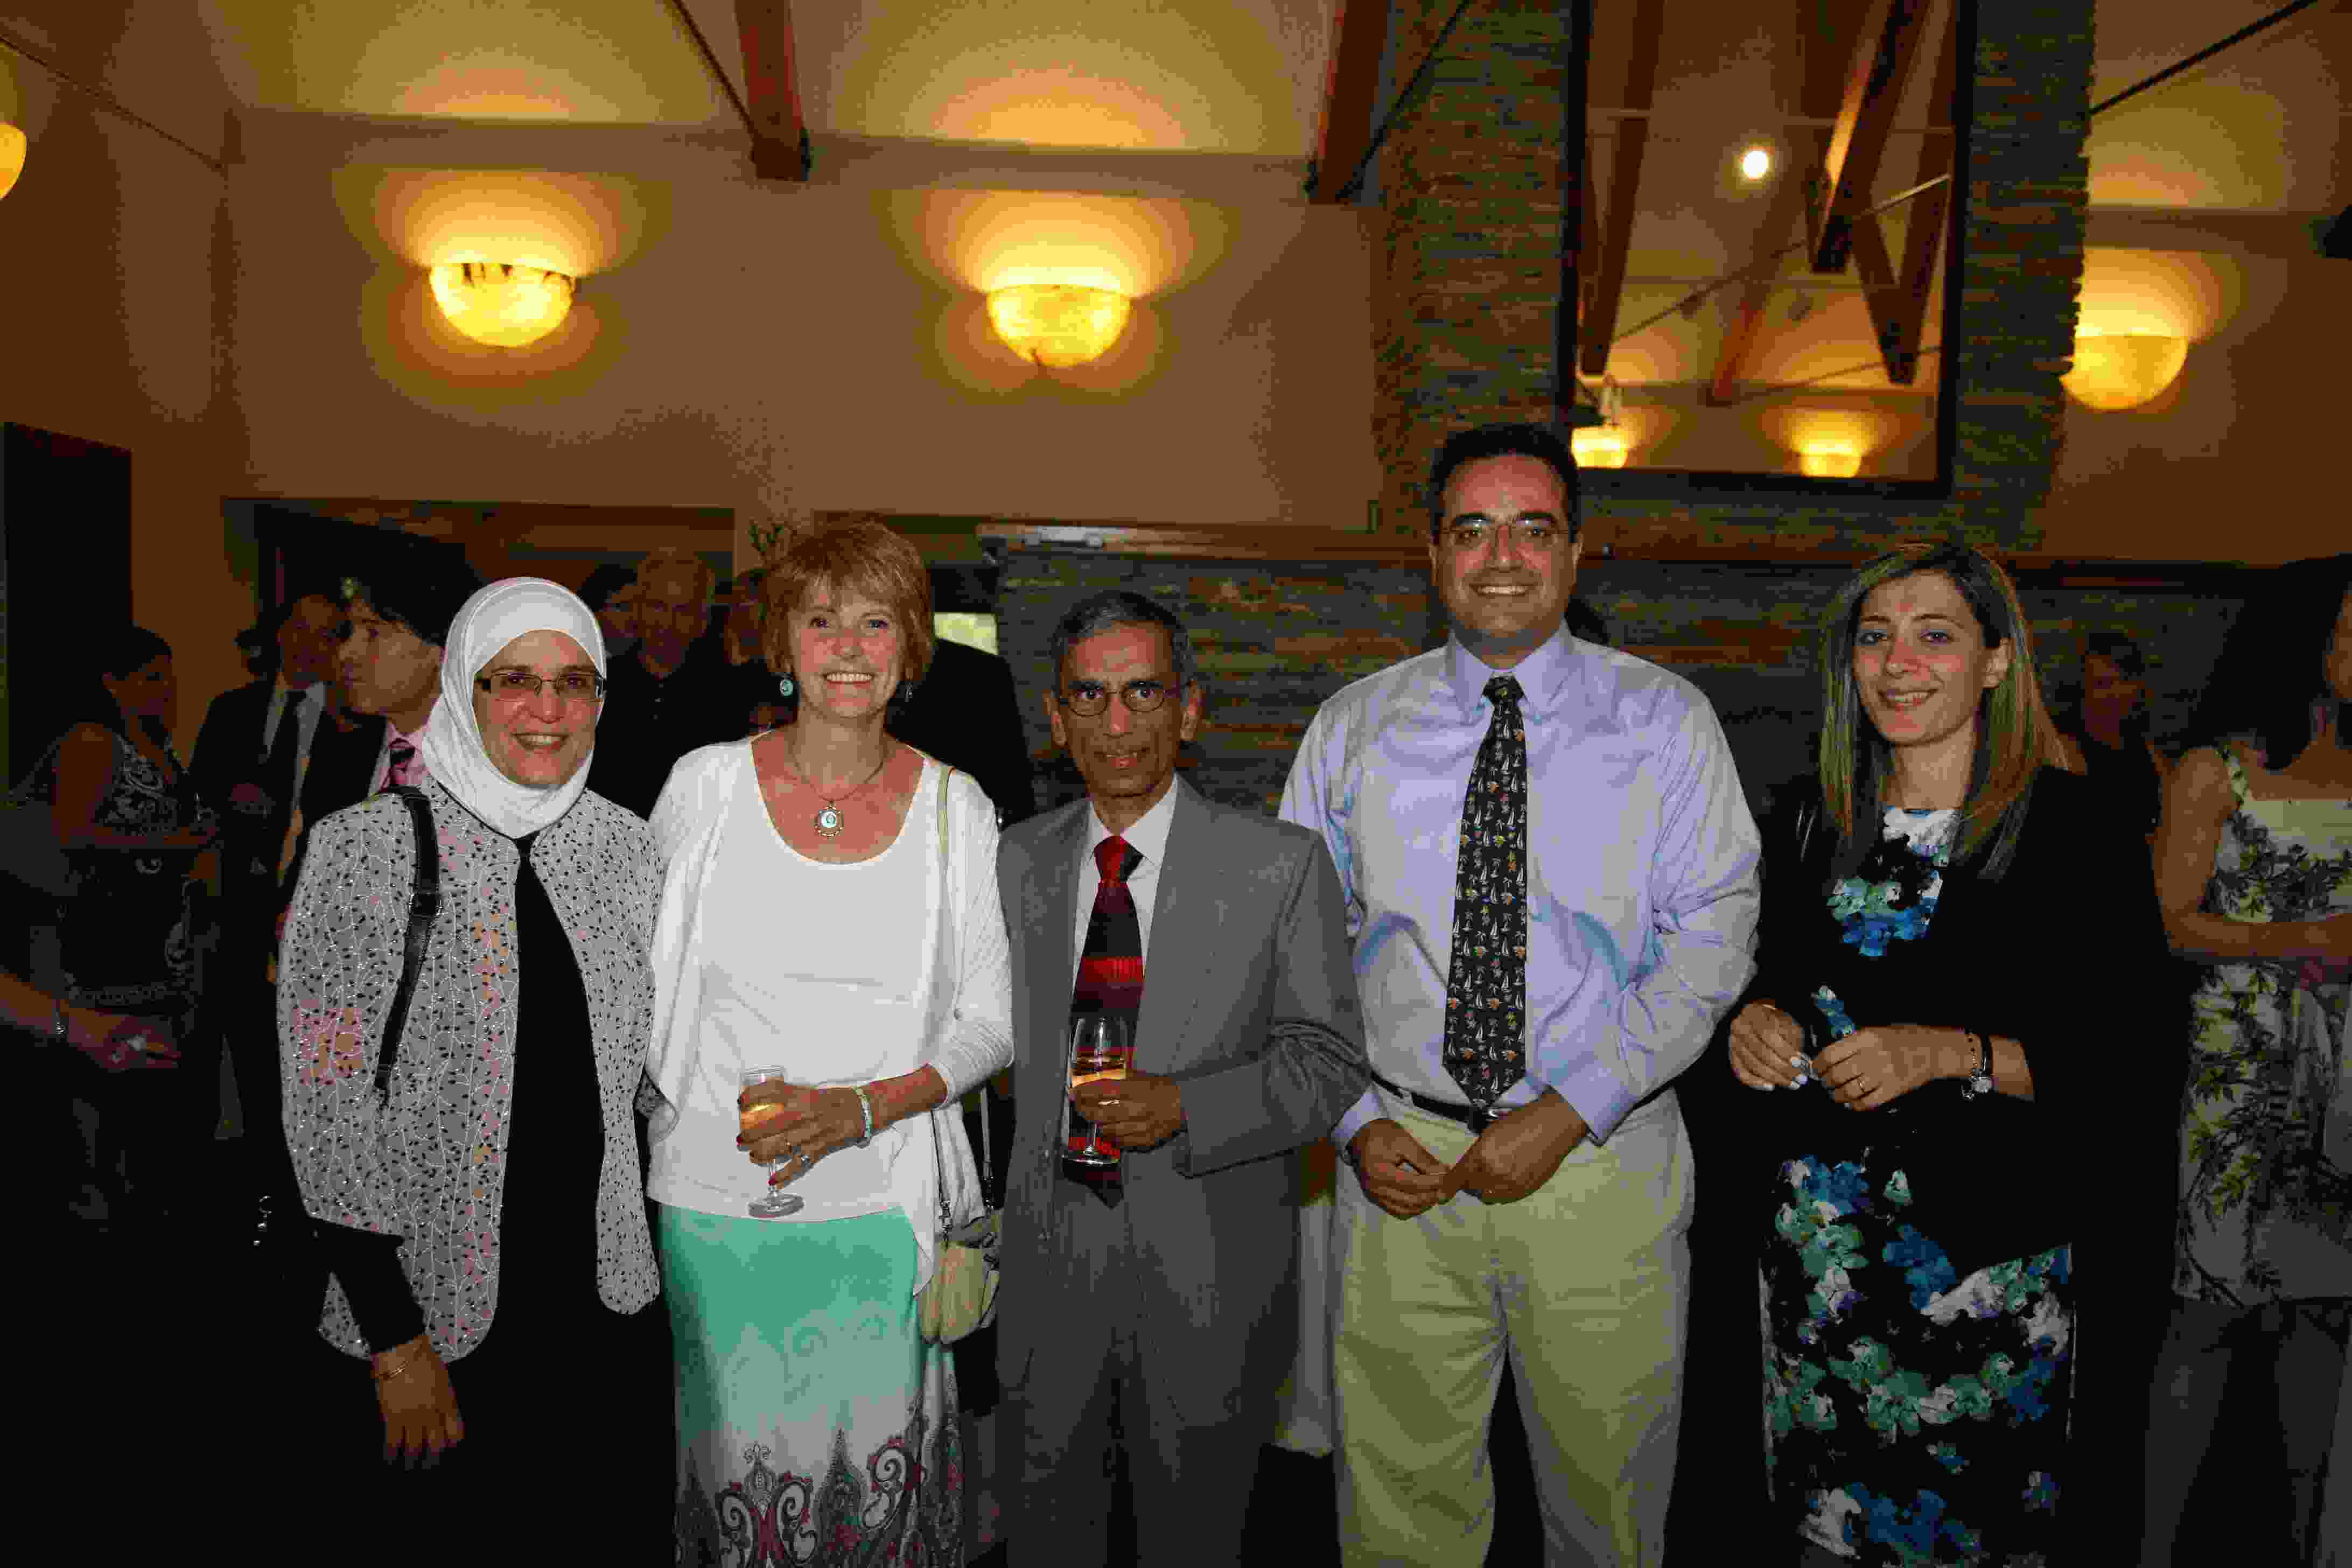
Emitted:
pixel 814 1424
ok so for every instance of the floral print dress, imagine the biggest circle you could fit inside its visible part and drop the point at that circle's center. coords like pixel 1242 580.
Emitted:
pixel 1911 1416
pixel 2266 1129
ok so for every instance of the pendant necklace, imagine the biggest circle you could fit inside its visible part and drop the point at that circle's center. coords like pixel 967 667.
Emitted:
pixel 828 821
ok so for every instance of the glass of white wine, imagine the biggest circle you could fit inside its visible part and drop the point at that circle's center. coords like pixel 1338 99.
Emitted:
pixel 771 1204
pixel 1101 1046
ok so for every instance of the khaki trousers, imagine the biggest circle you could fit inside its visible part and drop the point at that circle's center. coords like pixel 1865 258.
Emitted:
pixel 1582 1284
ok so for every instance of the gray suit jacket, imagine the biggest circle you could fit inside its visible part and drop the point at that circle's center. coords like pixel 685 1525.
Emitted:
pixel 1249 1000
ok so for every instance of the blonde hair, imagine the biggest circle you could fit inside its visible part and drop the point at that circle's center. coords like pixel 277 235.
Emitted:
pixel 2015 739
pixel 856 556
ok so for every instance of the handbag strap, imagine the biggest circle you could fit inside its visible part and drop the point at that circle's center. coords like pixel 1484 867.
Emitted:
pixel 423 904
pixel 939 1144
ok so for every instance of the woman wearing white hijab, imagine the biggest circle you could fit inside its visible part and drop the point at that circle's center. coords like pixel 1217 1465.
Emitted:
pixel 488 1295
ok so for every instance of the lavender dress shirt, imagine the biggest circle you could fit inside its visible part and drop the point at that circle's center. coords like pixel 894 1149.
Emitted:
pixel 1643 864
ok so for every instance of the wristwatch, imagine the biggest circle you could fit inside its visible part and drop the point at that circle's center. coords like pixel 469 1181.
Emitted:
pixel 1979 1081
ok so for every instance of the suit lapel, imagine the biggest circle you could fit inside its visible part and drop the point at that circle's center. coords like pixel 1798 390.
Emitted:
pixel 1179 959
pixel 1054 957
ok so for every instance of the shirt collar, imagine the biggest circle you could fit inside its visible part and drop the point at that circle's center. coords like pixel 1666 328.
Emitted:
pixel 1148 835
pixel 1542 675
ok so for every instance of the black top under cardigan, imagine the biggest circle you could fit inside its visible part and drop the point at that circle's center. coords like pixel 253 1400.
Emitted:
pixel 2057 956
pixel 546 1228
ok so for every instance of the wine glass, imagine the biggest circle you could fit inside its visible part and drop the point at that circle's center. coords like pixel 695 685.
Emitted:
pixel 1102 1044
pixel 770 1204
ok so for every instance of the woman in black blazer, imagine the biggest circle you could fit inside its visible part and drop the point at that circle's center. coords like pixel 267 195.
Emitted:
pixel 1951 1071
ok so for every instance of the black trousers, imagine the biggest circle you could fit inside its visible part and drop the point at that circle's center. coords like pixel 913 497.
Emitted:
pixel 570 1449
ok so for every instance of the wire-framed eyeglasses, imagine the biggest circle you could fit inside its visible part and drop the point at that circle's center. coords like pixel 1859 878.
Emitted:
pixel 519 685
pixel 1088 698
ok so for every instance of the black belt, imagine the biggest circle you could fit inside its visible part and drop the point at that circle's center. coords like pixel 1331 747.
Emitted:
pixel 1471 1116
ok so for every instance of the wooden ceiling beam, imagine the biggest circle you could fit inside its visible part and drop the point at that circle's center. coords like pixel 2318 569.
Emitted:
pixel 780 144
pixel 1884 48
pixel 1597 325
pixel 1905 318
pixel 1795 206
pixel 1359 36
pixel 1745 333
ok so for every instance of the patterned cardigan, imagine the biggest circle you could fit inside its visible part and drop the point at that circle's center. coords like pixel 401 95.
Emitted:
pixel 431 1168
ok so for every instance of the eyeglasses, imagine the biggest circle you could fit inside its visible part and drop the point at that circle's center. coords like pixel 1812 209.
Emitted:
pixel 1088 698
pixel 517 685
pixel 1528 535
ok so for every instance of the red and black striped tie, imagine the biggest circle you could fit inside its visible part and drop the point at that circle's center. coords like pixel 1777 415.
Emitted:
pixel 1110 973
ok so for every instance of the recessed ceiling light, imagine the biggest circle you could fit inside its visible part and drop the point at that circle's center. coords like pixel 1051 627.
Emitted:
pixel 1755 162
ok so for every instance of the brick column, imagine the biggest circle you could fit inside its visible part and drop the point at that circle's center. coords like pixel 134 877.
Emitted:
pixel 1467 283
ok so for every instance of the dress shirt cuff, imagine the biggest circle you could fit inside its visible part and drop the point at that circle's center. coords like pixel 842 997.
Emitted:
pixel 368 1265
pixel 1367 1109
pixel 1596 1093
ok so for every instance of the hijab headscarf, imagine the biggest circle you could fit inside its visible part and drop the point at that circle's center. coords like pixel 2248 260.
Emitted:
pixel 452 743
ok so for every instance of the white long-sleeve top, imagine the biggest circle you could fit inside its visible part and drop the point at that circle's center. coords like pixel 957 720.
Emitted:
pixel 962 985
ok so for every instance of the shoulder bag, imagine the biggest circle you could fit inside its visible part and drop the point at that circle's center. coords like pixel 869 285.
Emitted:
pixel 961 1296
pixel 29 851
pixel 284 1256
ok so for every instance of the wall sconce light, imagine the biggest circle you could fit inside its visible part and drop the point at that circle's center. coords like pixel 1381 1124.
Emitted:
pixel 503 305
pixel 1830 460
pixel 2124 370
pixel 12 156
pixel 1598 447
pixel 1058 324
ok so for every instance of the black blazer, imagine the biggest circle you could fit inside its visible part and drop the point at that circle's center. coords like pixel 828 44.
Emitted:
pixel 2057 955
pixel 229 743
pixel 342 768
pixel 965 713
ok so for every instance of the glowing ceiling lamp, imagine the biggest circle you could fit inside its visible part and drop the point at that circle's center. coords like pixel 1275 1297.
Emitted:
pixel 12 156
pixel 502 304
pixel 1829 459
pixel 2124 370
pixel 1058 324
pixel 1598 447
pixel 1755 162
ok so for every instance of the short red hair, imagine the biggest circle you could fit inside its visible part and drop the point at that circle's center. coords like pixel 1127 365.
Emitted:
pixel 858 555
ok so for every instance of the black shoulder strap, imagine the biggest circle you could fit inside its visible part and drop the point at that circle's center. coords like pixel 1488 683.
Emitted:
pixel 421 906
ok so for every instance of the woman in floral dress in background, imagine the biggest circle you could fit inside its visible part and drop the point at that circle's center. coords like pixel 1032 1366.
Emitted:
pixel 1925 1159
pixel 2254 869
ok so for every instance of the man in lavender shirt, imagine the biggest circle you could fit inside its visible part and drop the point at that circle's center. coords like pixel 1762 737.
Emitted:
pixel 1523 1181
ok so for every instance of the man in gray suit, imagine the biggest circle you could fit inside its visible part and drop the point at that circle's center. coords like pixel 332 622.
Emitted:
pixel 1164 1297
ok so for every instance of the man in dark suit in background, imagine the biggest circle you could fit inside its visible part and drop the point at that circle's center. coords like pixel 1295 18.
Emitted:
pixel 252 754
pixel 966 714
pixel 1163 1300
pixel 668 695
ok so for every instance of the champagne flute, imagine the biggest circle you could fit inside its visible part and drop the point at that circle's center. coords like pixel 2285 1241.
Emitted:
pixel 771 1204
pixel 1101 1046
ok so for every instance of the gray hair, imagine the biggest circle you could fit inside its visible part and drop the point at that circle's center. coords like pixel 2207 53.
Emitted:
pixel 1099 612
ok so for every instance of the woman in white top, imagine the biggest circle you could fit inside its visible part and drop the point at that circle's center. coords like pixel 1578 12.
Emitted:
pixel 829 913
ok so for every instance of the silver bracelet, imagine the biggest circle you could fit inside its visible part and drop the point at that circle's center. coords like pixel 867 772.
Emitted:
pixel 57 1032
pixel 866 1108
